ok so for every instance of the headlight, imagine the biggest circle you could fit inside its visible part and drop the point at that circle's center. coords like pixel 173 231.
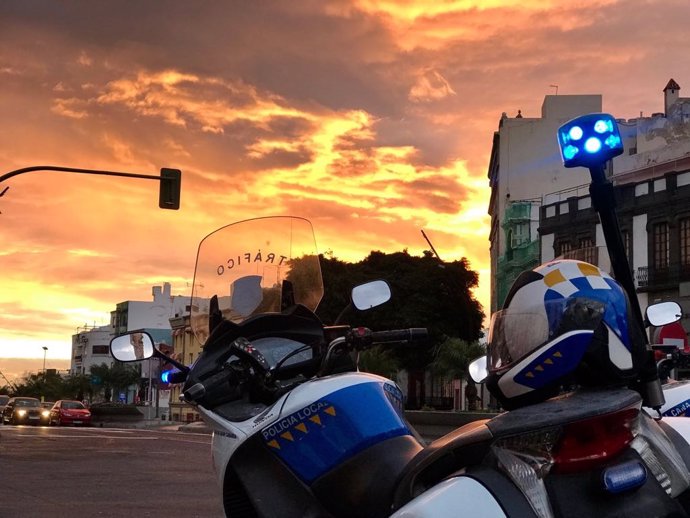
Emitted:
pixel 21 413
pixel 87 414
pixel 45 413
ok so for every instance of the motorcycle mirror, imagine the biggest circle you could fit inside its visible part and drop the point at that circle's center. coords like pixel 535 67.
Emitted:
pixel 478 371
pixel 131 347
pixel 371 294
pixel 663 313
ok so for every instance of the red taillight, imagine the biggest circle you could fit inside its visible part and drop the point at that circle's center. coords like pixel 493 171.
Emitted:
pixel 587 444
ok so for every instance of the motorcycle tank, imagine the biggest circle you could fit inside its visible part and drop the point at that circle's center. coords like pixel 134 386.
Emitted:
pixel 322 434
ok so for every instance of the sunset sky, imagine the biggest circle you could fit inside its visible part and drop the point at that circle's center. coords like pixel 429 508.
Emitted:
pixel 372 118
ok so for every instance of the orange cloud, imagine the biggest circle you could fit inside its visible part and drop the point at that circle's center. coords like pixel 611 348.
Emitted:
pixel 372 118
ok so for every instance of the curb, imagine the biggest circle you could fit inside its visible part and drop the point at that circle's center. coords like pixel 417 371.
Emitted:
pixel 197 427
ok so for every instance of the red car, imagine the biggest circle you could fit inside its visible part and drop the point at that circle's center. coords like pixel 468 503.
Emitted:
pixel 67 411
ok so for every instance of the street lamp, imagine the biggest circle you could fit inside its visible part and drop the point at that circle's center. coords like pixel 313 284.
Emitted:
pixel 45 350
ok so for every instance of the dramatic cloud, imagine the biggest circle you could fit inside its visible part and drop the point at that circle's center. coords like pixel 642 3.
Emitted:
pixel 372 118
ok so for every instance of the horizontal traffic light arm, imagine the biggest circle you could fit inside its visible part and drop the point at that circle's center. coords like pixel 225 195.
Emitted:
pixel 170 181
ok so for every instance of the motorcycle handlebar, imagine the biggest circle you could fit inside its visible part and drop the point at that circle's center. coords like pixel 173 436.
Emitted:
pixel 412 334
pixel 199 390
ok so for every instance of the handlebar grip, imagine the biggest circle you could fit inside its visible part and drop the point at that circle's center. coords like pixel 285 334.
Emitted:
pixel 199 390
pixel 400 335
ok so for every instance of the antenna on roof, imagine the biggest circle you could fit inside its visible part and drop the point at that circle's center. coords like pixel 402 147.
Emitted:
pixel 432 246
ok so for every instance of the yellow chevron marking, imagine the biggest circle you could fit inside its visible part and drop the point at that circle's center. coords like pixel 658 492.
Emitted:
pixel 302 427
pixel 588 269
pixel 274 444
pixel 539 368
pixel 330 410
pixel 553 278
pixel 548 361
pixel 529 375
pixel 316 419
pixel 557 355
pixel 287 435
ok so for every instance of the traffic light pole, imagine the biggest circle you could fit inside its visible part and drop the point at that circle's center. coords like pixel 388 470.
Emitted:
pixel 170 181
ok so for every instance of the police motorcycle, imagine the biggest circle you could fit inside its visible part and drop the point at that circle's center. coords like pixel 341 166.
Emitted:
pixel 298 431
pixel 670 359
pixel 568 357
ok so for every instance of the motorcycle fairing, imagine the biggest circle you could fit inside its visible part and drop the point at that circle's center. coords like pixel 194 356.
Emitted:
pixel 454 497
pixel 677 395
pixel 330 430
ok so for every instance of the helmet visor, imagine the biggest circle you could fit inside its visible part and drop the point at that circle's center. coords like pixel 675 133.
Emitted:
pixel 514 334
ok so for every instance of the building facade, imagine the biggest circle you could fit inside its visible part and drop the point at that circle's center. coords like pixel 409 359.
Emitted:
pixel 650 181
pixel 525 165
pixel 91 345
pixel 186 349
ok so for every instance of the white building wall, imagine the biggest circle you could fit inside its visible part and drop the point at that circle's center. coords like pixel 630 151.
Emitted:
pixel 156 314
pixel 83 344
pixel 529 157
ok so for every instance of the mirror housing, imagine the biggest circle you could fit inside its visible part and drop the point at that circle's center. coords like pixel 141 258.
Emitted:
pixel 663 313
pixel 132 347
pixel 371 294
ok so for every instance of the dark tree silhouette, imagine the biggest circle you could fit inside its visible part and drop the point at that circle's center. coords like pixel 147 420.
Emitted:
pixel 425 293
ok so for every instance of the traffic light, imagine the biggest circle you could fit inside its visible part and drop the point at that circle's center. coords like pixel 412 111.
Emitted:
pixel 169 194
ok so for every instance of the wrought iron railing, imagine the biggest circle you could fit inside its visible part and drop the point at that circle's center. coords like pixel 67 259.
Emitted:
pixel 655 276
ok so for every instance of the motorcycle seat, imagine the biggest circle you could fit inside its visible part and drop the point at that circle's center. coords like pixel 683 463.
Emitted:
pixel 443 457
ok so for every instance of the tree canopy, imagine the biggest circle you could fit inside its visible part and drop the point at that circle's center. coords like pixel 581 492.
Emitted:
pixel 425 293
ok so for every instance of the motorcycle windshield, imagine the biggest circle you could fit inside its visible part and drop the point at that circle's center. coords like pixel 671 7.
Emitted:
pixel 255 266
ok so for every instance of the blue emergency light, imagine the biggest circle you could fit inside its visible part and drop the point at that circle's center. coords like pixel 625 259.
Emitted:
pixel 165 376
pixel 589 140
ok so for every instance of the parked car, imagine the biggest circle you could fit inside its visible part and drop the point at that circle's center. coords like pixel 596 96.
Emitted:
pixel 68 411
pixel 24 410
pixel 4 398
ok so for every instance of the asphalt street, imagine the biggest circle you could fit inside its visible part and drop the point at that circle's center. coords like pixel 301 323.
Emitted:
pixel 106 472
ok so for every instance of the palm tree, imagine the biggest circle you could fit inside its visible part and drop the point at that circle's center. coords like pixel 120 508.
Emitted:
pixel 379 361
pixel 116 377
pixel 452 358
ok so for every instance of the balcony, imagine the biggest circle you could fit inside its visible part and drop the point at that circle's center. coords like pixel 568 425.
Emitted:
pixel 654 278
pixel 596 255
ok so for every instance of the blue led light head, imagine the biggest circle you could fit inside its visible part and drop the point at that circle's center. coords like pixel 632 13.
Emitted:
pixel 589 140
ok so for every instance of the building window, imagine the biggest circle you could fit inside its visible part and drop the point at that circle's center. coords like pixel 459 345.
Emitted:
pixel 684 235
pixel 100 349
pixel 660 246
pixel 587 250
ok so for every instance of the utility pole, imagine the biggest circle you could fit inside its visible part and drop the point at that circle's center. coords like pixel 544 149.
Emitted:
pixel 45 350
pixel 9 383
